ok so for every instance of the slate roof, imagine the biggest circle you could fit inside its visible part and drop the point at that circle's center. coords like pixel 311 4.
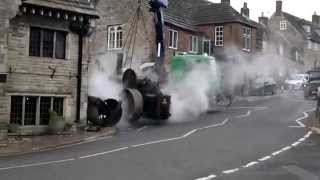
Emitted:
pixel 189 14
pixel 79 6
pixel 299 24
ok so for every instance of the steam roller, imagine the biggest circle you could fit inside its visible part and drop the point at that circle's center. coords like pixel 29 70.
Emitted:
pixel 142 98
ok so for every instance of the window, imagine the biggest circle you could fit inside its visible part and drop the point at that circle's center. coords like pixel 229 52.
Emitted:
pixel 207 47
pixel 283 25
pixel 47 43
pixel 315 46
pixel 297 56
pixel 173 39
pixel 309 44
pixel 280 49
pixel 34 110
pixel 115 34
pixel 246 35
pixel 193 44
pixel 219 35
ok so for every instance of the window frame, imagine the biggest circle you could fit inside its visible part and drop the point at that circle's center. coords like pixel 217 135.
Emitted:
pixel 283 25
pixel 173 39
pixel 38 120
pixel 193 43
pixel 247 38
pixel 113 36
pixel 41 42
pixel 219 36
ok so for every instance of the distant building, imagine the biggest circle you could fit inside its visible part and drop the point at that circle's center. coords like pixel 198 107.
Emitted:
pixel 295 40
pixel 42 65
pixel 190 26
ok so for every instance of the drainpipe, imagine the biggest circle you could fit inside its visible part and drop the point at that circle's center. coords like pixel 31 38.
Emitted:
pixel 79 77
pixel 83 29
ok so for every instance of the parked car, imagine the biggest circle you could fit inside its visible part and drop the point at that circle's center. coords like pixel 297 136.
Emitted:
pixel 295 81
pixel 263 86
pixel 311 84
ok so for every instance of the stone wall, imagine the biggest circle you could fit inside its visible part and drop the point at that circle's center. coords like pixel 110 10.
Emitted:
pixel 29 75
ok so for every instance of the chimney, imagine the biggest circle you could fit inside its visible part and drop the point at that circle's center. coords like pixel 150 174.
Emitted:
pixel 279 7
pixel 227 2
pixel 316 18
pixel 245 11
pixel 263 20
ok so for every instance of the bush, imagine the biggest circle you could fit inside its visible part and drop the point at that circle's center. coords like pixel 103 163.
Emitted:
pixel 56 123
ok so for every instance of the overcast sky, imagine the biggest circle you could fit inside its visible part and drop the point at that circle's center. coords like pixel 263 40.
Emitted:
pixel 301 8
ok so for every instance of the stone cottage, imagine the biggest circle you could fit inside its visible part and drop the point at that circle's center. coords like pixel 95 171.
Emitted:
pixel 44 61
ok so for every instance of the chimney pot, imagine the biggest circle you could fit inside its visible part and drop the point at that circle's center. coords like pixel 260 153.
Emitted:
pixel 245 11
pixel 278 7
pixel 316 18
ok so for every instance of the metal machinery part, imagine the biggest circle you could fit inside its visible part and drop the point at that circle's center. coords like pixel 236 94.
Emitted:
pixel 133 105
pixel 143 97
pixel 104 113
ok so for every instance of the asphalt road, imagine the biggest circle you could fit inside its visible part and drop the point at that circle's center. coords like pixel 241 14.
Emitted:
pixel 254 139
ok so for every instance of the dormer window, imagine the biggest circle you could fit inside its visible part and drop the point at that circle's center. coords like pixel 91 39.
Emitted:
pixel 283 25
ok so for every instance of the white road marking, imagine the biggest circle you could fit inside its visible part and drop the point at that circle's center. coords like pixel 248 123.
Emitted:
pixel 215 125
pixel 277 152
pixel 286 148
pixel 142 128
pixel 295 144
pixel 212 176
pixel 264 158
pixel 305 116
pixel 103 153
pixel 37 164
pixel 302 139
pixel 244 115
pixel 230 171
pixel 189 133
pixel 250 164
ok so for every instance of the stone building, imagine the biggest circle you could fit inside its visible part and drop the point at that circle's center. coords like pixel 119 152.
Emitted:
pixel 295 40
pixel 44 61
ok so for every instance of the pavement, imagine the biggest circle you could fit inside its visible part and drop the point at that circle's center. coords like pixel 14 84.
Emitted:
pixel 257 139
pixel 17 145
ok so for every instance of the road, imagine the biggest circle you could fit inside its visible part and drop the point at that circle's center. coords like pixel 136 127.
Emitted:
pixel 254 139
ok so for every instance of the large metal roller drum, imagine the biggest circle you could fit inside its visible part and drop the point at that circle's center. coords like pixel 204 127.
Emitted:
pixel 132 105
pixel 104 113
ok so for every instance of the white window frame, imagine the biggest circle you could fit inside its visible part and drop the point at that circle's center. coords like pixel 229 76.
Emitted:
pixel 310 43
pixel 219 36
pixel 115 37
pixel 173 39
pixel 193 44
pixel 315 46
pixel 281 50
pixel 247 38
pixel 297 55
pixel 283 25
pixel 37 122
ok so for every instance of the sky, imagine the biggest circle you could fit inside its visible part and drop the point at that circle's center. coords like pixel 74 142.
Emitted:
pixel 301 8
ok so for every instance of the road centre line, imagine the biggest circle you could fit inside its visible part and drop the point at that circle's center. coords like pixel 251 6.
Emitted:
pixel 103 153
pixel 36 164
pixel 230 171
pixel 250 164
pixel 212 176
pixel 264 158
